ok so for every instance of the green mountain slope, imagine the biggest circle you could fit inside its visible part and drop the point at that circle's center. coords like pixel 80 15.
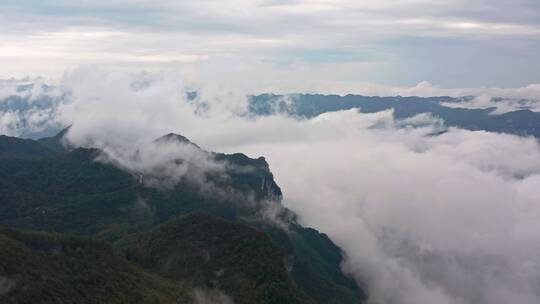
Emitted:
pixel 51 268
pixel 68 191
pixel 241 261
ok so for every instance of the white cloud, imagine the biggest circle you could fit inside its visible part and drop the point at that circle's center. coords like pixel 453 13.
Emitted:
pixel 27 106
pixel 502 106
pixel 447 219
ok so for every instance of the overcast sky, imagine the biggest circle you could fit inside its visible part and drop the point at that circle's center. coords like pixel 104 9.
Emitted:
pixel 452 43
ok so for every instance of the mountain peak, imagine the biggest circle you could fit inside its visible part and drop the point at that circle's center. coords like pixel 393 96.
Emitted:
pixel 57 143
pixel 62 132
pixel 173 137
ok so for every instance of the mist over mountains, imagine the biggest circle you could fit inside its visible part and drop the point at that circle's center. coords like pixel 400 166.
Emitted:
pixel 30 107
pixel 430 199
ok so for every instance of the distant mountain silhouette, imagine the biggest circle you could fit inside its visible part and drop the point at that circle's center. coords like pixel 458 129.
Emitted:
pixel 522 122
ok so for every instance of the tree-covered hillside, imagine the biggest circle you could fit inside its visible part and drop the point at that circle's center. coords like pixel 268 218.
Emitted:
pixel 144 231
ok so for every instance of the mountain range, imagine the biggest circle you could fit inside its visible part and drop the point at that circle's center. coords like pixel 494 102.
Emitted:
pixel 32 116
pixel 522 121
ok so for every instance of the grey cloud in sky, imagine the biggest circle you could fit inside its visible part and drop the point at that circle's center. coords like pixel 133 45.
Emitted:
pixel 452 43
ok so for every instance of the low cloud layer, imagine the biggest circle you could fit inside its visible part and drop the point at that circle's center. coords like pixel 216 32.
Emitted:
pixel 446 219
pixel 38 107
pixel 28 106
pixel 164 162
pixel 452 218
pixel 502 105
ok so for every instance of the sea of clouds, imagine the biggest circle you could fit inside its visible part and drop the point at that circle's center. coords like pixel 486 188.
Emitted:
pixel 453 218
